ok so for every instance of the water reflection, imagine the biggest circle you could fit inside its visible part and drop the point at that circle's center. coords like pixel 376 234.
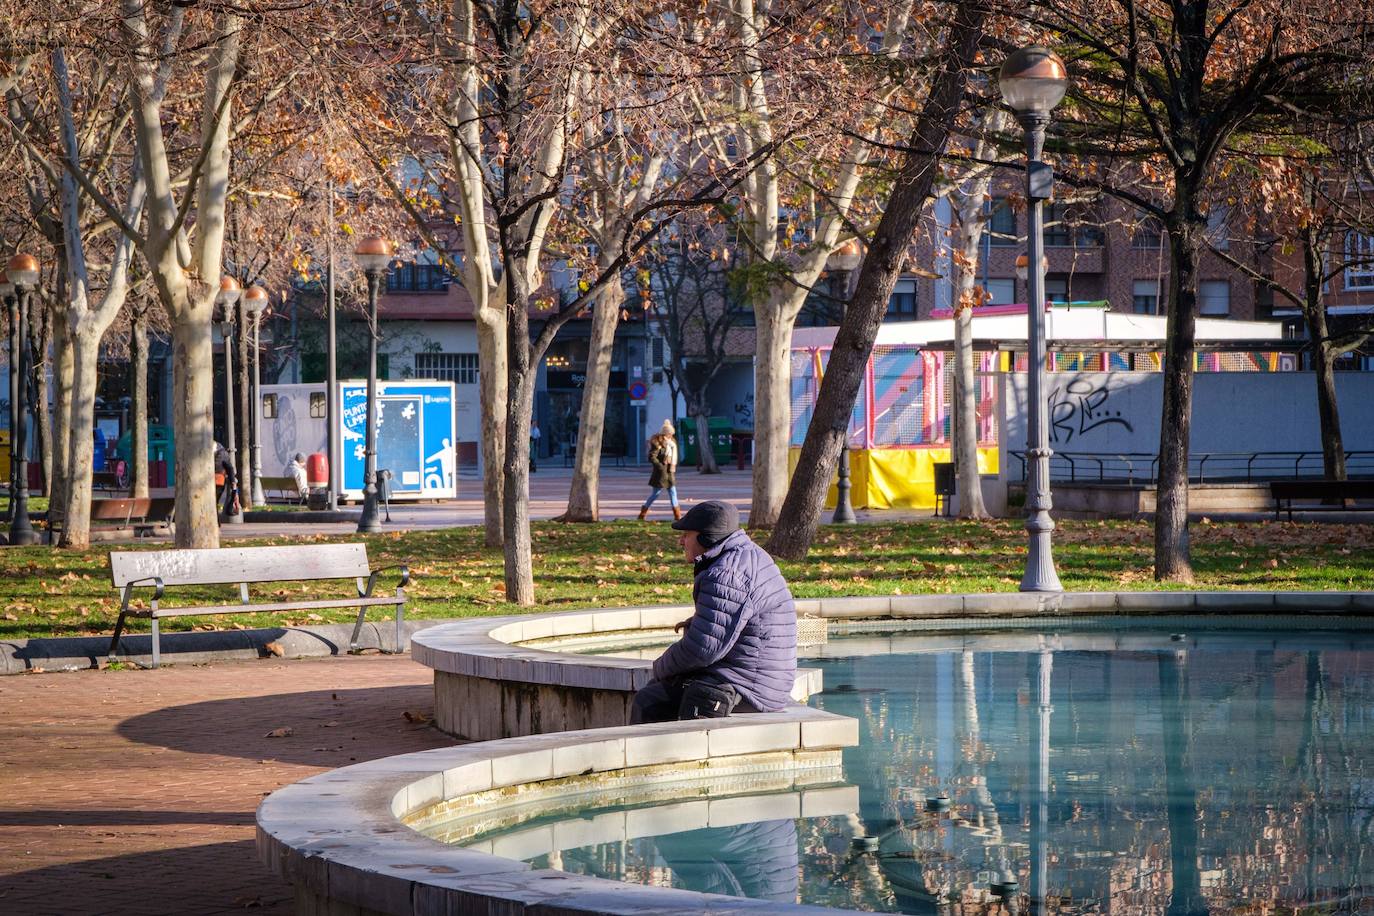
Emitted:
pixel 1170 776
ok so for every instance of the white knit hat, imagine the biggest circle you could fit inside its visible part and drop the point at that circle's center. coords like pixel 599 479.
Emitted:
pixel 667 429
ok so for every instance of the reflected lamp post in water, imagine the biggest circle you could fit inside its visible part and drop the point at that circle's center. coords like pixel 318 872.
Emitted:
pixel 22 271
pixel 1033 81
pixel 229 292
pixel 846 258
pixel 373 255
pixel 254 301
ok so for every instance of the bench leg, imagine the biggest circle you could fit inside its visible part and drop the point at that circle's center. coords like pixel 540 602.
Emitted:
pixel 400 618
pixel 157 643
pixel 357 628
pixel 114 640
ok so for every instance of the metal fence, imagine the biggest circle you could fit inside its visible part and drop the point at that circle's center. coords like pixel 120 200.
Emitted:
pixel 1203 467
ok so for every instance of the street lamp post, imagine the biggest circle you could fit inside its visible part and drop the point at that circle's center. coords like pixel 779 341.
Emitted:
pixel 846 258
pixel 11 302
pixel 373 254
pixel 229 291
pixel 1033 81
pixel 22 271
pixel 334 454
pixel 254 301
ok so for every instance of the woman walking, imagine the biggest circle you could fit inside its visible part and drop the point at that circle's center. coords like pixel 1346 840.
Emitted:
pixel 663 457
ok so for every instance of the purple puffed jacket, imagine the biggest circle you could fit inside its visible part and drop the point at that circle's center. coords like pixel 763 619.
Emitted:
pixel 745 626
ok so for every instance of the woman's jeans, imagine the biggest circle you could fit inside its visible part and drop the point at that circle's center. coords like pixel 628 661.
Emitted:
pixel 672 497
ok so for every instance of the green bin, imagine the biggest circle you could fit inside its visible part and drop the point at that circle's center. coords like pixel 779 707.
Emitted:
pixel 718 428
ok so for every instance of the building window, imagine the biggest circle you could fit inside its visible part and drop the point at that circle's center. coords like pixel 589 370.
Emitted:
pixel 317 406
pixel 1057 291
pixel 269 406
pixel 1000 291
pixel 1359 255
pixel 1149 233
pixel 416 278
pixel 1145 297
pixel 1063 229
pixel 460 368
pixel 1000 231
pixel 1219 227
pixel 902 304
pixel 1215 297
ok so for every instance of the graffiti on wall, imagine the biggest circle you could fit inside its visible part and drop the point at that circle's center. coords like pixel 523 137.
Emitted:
pixel 1080 407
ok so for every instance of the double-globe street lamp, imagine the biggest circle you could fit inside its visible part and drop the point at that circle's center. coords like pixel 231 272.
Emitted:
pixel 228 297
pixel 254 302
pixel 22 273
pixel 1033 81
pixel 373 255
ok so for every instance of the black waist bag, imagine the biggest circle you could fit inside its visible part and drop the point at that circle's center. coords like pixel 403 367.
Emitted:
pixel 707 700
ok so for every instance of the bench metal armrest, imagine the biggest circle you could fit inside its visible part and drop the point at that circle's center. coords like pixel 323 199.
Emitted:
pixel 154 581
pixel 372 579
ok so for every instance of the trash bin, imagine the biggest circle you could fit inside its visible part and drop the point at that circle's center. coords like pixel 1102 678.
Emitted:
pixel 98 449
pixel 317 470
pixel 718 429
pixel 944 486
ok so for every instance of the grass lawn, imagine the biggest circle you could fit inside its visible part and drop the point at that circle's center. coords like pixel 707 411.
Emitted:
pixel 48 592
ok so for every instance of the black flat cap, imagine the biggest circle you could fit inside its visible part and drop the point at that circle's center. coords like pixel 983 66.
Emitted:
pixel 713 520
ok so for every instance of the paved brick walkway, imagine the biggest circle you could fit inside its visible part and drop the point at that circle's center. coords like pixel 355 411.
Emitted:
pixel 134 791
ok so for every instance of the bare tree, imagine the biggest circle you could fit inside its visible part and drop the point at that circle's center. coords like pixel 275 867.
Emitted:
pixel 881 267
pixel 1177 89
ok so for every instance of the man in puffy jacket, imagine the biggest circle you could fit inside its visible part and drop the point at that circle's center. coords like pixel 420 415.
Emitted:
pixel 739 650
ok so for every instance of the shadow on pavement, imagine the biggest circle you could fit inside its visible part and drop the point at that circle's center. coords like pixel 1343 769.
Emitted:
pixel 322 728
pixel 194 880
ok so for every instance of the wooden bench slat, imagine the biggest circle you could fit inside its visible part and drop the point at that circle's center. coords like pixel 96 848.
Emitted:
pixel 277 606
pixel 231 565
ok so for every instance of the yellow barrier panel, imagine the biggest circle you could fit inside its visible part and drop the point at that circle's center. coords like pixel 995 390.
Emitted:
pixel 895 478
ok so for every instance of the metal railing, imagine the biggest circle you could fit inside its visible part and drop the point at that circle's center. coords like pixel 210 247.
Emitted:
pixel 1203 467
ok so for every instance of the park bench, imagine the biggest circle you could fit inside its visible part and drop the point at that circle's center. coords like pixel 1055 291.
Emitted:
pixel 144 514
pixel 1321 495
pixel 160 570
pixel 284 488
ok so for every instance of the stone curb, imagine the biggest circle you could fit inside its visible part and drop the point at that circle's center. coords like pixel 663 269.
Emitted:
pixel 73 653
pixel 342 837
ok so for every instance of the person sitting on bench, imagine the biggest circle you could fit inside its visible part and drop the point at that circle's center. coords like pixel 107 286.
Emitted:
pixel 738 652
pixel 296 471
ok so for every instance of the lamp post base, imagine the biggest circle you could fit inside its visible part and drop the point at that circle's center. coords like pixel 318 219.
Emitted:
pixel 370 521
pixel 844 506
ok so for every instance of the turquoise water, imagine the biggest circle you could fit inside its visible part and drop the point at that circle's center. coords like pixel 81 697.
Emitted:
pixel 1116 772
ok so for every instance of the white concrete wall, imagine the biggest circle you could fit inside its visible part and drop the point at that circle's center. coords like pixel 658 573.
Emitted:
pixel 1099 412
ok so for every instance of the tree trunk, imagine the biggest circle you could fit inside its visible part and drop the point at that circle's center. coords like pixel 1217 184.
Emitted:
pixel 881 268
pixel 1323 357
pixel 63 371
pixel 245 466
pixel 965 445
pixel 197 516
pixel 43 402
pixel 772 412
pixel 591 426
pixel 138 408
pixel 706 456
pixel 519 562
pixel 76 532
pixel 492 384
pixel 1172 560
